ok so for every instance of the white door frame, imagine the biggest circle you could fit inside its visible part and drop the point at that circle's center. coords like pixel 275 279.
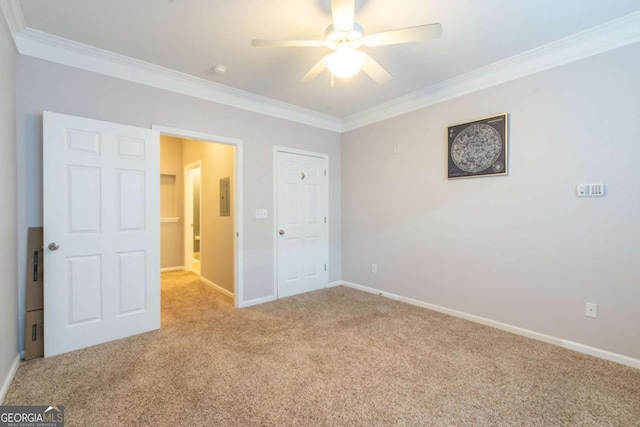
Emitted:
pixel 238 295
pixel 188 214
pixel 276 150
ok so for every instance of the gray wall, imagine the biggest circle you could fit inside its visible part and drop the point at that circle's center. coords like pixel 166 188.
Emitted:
pixel 216 232
pixel 519 249
pixel 8 219
pixel 42 85
pixel 171 203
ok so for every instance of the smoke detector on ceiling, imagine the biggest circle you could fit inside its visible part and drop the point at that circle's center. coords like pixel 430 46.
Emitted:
pixel 219 70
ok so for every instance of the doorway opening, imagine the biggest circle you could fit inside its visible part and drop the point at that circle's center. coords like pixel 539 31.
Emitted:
pixel 119 272
pixel 200 208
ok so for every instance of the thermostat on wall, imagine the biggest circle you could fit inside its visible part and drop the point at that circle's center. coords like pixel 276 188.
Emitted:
pixel 590 190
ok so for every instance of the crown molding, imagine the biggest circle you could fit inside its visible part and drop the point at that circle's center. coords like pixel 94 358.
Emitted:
pixel 602 38
pixel 56 49
pixel 12 12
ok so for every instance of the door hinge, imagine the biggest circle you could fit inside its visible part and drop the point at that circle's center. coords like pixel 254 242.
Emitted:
pixel 325 219
pixel 237 234
pixel 325 267
pixel 325 172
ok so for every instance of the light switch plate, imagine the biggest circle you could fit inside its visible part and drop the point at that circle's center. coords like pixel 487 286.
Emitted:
pixel 261 214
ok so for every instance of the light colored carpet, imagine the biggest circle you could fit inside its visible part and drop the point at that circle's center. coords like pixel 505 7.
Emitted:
pixel 336 357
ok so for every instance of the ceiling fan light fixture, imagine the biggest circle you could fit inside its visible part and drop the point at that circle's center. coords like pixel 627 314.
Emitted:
pixel 345 62
pixel 345 37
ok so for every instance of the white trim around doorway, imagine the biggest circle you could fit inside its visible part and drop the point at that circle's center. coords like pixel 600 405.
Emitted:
pixel 238 294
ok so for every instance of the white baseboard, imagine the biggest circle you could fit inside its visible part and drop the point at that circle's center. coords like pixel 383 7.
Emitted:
pixel 273 298
pixel 217 287
pixel 7 381
pixel 580 348
pixel 179 268
pixel 257 301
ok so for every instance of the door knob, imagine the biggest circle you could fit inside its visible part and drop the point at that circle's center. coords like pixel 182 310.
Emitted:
pixel 53 246
pixel 281 232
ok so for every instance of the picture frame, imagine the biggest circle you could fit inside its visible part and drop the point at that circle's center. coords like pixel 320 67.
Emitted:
pixel 478 148
pixel 225 192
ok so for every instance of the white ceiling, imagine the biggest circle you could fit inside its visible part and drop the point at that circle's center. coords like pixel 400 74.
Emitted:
pixel 192 36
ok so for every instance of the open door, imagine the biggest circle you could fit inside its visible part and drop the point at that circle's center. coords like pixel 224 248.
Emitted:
pixel 101 231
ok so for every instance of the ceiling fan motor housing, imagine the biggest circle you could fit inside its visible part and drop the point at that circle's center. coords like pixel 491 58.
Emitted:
pixel 352 37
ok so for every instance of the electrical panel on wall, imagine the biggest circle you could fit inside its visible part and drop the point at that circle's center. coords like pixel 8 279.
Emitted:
pixel 590 190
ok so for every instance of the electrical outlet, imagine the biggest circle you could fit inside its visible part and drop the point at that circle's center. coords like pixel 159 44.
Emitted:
pixel 591 310
pixel 374 268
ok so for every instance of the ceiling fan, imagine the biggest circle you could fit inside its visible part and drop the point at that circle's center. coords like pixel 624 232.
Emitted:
pixel 345 36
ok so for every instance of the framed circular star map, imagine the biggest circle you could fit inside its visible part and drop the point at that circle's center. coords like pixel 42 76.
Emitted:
pixel 478 148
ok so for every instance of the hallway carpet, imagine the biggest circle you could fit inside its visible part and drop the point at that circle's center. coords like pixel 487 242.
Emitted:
pixel 336 357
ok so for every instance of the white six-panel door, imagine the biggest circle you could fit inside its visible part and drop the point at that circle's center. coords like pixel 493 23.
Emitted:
pixel 302 210
pixel 101 231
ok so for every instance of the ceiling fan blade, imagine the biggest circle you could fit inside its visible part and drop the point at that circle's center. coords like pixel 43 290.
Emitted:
pixel 343 11
pixel 287 43
pixel 375 70
pixel 315 71
pixel 404 35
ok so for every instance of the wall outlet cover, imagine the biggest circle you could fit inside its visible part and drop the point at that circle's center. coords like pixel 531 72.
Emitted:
pixel 591 310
